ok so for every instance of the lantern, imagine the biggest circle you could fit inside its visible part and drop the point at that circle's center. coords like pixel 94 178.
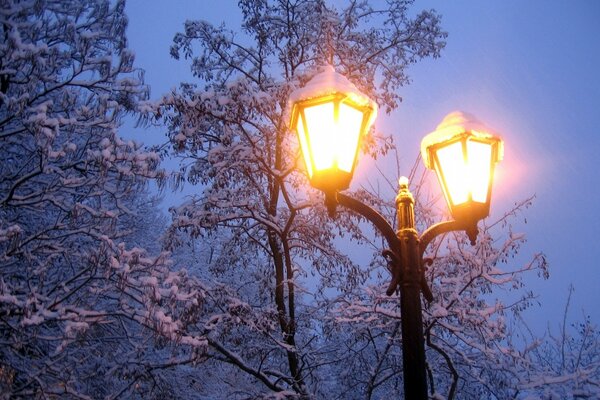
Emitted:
pixel 463 154
pixel 330 116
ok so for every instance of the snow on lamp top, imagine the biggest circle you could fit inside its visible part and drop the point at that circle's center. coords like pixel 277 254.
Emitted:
pixel 327 82
pixel 454 124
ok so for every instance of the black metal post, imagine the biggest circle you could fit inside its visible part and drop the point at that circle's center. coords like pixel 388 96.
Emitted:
pixel 413 346
pixel 407 275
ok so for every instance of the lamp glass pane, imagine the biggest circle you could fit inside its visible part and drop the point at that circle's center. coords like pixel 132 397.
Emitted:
pixel 455 174
pixel 348 133
pixel 304 145
pixel 320 125
pixel 480 162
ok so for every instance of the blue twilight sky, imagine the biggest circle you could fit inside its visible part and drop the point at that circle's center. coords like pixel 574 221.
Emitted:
pixel 529 69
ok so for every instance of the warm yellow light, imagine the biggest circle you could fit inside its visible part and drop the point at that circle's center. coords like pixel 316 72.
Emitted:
pixel 453 171
pixel 302 135
pixel 480 173
pixel 466 175
pixel 321 130
pixel 331 136
pixel 348 127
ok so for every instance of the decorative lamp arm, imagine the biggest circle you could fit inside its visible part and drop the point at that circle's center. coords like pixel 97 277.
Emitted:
pixel 372 216
pixel 470 227
pixel 393 253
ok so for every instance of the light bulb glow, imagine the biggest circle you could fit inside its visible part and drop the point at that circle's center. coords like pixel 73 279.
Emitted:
pixel 454 173
pixel 321 134
pixel 349 124
pixel 332 136
pixel 304 146
pixel 480 164
pixel 466 176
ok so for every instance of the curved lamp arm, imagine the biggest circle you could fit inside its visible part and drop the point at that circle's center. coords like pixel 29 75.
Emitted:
pixel 470 227
pixel 371 215
pixel 393 253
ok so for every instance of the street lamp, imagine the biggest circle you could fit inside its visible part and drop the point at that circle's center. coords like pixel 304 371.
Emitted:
pixel 330 116
pixel 463 153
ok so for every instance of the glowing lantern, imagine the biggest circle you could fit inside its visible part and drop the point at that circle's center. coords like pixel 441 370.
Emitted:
pixel 330 116
pixel 463 154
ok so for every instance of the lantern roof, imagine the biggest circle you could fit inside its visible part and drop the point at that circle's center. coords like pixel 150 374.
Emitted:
pixel 454 124
pixel 328 82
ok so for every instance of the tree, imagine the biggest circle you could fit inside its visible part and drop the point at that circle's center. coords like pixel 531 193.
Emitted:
pixel 78 308
pixel 230 132
pixel 264 234
pixel 561 365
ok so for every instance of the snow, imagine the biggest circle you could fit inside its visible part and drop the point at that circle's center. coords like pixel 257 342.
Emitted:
pixel 72 328
pixel 327 82
pixel 207 95
pixel 438 311
pixel 7 298
pixel 125 290
pixel 10 232
pixel 149 281
pixel 194 342
pixel 33 320
pixel 70 147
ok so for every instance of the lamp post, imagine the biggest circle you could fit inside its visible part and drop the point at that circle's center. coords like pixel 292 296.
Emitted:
pixel 330 116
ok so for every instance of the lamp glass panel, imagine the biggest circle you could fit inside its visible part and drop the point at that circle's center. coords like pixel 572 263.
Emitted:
pixel 454 171
pixel 480 162
pixel 348 133
pixel 304 145
pixel 320 125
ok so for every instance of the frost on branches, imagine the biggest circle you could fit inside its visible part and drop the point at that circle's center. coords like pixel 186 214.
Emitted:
pixel 73 297
pixel 269 231
pixel 290 314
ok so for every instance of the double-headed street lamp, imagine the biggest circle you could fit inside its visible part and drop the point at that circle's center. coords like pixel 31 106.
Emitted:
pixel 331 116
